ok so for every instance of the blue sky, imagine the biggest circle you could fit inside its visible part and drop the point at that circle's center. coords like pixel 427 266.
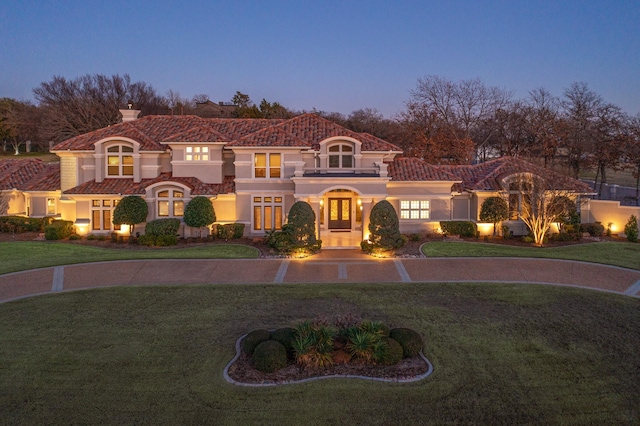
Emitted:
pixel 329 55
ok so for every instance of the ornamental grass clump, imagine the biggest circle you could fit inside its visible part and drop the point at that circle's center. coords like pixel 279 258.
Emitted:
pixel 313 345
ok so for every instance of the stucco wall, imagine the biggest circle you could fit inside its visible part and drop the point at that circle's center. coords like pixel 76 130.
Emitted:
pixel 608 212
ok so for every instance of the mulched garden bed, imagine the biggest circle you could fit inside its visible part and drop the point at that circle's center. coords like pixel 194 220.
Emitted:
pixel 243 371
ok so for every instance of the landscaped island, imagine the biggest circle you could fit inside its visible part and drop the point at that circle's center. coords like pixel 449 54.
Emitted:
pixel 350 347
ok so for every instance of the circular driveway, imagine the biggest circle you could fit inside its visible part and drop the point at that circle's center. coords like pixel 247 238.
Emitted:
pixel 338 268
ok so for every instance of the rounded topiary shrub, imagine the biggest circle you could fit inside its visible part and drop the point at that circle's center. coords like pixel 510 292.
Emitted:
pixel 410 341
pixel 270 356
pixel 393 351
pixel 286 336
pixel 253 339
pixel 384 227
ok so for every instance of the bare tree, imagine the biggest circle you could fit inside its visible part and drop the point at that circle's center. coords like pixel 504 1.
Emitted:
pixel 19 123
pixel 543 124
pixel 632 151
pixel 462 108
pixel 90 102
pixel 539 203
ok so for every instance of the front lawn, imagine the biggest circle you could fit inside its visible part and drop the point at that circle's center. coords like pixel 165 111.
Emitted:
pixel 626 255
pixel 502 354
pixel 22 255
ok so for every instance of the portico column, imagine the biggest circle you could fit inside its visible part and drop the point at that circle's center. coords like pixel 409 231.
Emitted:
pixel 367 204
pixel 315 205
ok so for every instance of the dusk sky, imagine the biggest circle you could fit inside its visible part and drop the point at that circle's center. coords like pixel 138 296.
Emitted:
pixel 328 55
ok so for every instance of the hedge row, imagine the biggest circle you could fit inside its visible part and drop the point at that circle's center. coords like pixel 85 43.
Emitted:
pixel 459 227
pixel 21 224
pixel 228 231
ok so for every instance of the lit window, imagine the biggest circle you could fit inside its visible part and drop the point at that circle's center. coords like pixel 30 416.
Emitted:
pixel 102 214
pixel 267 165
pixel 120 161
pixel 170 203
pixel 51 206
pixel 267 213
pixel 414 209
pixel 341 156
pixel 197 153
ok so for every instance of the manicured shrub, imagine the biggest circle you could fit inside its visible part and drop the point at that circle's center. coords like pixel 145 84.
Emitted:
pixel 199 213
pixel 409 339
pixel 253 339
pixel 384 229
pixel 169 226
pixel 58 230
pixel 19 224
pixel 594 229
pixel 299 233
pixel 286 336
pixel 270 356
pixel 392 353
pixel 494 210
pixel 459 227
pixel 631 229
pixel 229 231
pixel 130 211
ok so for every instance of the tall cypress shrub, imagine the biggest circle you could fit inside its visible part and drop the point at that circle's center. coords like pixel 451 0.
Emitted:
pixel 384 228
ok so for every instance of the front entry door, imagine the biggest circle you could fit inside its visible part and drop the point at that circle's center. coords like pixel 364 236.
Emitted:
pixel 339 213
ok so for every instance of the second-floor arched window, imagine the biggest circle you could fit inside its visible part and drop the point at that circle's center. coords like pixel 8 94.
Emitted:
pixel 120 161
pixel 341 156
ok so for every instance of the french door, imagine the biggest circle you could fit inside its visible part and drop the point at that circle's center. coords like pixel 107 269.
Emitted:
pixel 339 213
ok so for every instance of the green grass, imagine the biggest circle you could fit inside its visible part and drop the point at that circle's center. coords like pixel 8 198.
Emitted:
pixel 23 255
pixel 626 255
pixel 503 354
pixel 618 177
pixel 44 156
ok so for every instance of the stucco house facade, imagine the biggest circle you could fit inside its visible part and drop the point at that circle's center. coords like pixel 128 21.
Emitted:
pixel 253 170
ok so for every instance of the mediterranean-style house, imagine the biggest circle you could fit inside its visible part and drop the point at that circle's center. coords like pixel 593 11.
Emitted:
pixel 253 170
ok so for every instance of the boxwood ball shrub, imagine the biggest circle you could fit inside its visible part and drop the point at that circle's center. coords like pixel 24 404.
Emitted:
pixel 286 336
pixel 270 356
pixel 253 339
pixel 410 341
pixel 393 351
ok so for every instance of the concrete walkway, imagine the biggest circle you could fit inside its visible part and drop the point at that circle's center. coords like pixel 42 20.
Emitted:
pixel 335 266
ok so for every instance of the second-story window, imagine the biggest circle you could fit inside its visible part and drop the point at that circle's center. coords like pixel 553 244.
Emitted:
pixel 197 153
pixel 120 161
pixel 170 203
pixel 267 166
pixel 341 156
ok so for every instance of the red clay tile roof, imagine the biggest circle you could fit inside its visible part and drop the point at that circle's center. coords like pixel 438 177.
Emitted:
pixel 488 176
pixel 305 131
pixel 126 186
pixel 415 169
pixel 29 175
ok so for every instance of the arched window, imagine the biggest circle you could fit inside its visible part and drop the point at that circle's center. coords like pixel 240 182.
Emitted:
pixel 120 161
pixel 170 203
pixel 341 156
